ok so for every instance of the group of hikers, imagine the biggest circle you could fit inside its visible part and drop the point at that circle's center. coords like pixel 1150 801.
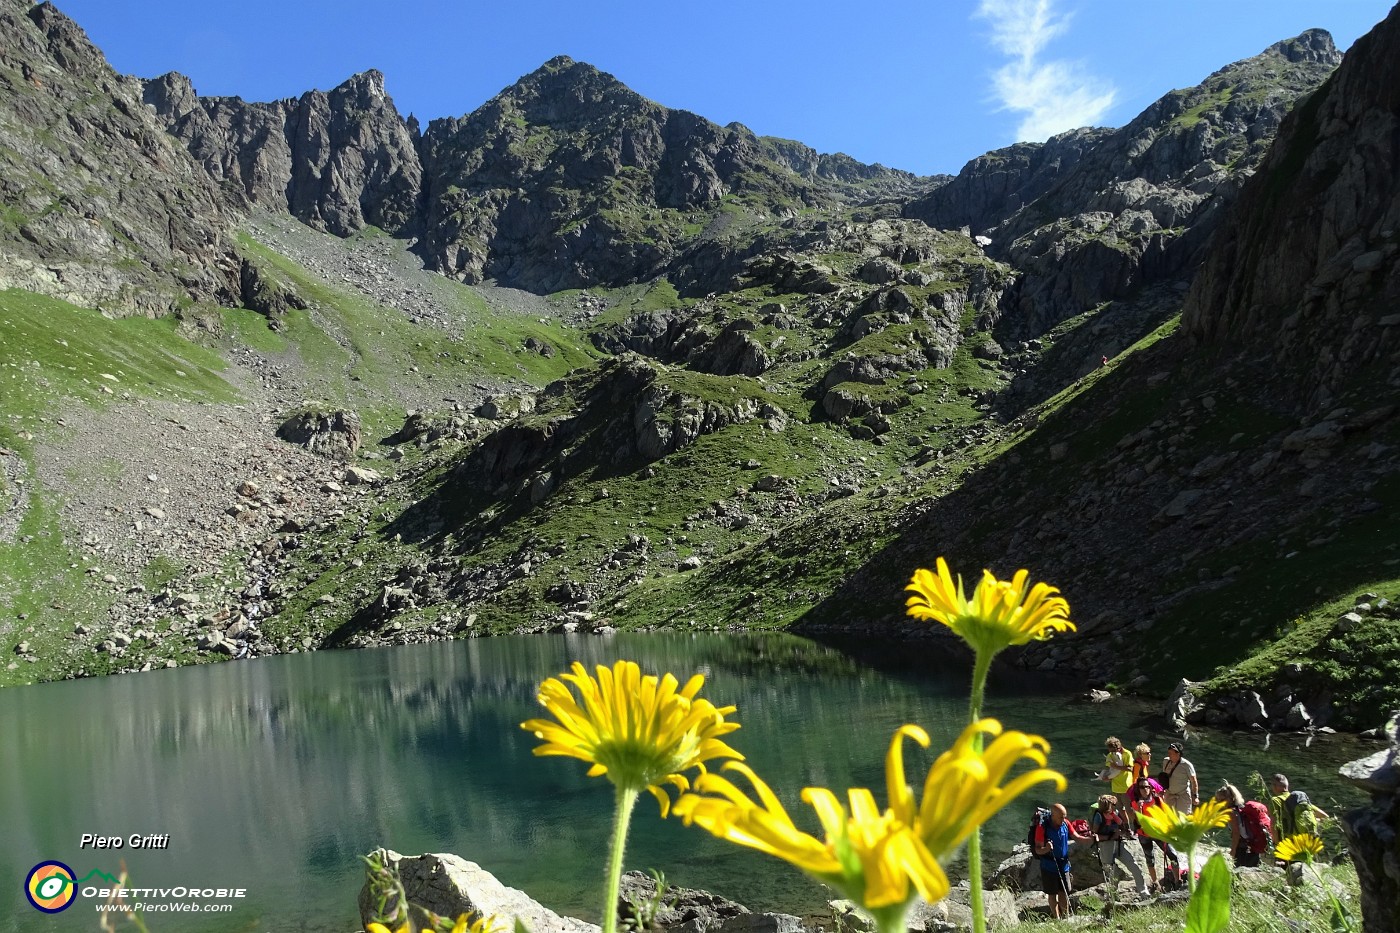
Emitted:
pixel 1114 824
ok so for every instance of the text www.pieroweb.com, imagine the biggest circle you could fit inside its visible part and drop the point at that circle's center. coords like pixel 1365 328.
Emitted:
pixel 185 900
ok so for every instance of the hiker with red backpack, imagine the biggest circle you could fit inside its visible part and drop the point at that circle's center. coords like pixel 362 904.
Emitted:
pixel 1050 837
pixel 1251 829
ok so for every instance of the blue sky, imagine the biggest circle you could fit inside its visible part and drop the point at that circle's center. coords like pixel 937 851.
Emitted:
pixel 922 85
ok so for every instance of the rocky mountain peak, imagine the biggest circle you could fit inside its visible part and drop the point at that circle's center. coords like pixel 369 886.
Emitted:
pixel 1311 45
pixel 371 78
pixel 68 44
pixel 171 94
pixel 337 160
pixel 101 208
pixel 569 178
pixel 1095 215
pixel 569 95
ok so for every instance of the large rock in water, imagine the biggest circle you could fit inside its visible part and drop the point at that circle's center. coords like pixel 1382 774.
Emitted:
pixel 1373 833
pixel 449 886
pixel 1181 704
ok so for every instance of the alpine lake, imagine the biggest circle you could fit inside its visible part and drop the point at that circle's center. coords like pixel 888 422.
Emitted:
pixel 277 775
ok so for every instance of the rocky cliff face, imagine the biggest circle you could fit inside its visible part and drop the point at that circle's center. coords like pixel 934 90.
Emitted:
pixel 336 161
pixel 1305 270
pixel 568 178
pixel 1092 215
pixel 1181 483
pixel 97 204
pixel 996 186
pixel 1372 832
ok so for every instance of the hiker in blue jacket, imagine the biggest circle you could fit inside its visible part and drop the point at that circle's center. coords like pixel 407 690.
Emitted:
pixel 1052 840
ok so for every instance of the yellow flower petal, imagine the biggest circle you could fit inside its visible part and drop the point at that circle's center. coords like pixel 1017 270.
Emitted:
pixel 640 732
pixel 483 924
pixel 1183 831
pixel 1000 612
pixel 1301 847
pixel 879 859
pixel 966 787
pixel 900 796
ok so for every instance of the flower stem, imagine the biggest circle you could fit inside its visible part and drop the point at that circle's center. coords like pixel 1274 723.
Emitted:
pixel 974 842
pixel 1339 915
pixel 626 799
pixel 1191 870
pixel 979 688
pixel 890 919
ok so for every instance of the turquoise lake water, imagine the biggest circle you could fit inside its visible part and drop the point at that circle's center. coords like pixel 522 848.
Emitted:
pixel 277 775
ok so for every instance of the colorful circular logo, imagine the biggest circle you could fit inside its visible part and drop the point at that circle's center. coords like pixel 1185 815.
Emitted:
pixel 50 887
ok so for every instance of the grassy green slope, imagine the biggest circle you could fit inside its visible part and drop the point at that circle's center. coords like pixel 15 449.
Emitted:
pixel 702 503
pixel 53 354
pixel 367 356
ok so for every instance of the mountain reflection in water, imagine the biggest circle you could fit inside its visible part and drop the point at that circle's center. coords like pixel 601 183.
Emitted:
pixel 277 775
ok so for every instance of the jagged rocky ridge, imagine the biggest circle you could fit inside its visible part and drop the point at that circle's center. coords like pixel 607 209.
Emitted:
pixel 855 302
pixel 98 205
pixel 1305 268
pixel 1093 214
pixel 336 161
pixel 1182 484
pixel 566 178
pixel 520 189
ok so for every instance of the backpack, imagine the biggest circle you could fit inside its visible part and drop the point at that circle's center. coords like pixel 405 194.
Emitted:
pixel 1111 825
pixel 1255 826
pixel 1039 820
pixel 1298 814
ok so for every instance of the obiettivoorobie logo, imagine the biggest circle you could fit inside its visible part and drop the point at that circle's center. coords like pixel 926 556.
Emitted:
pixel 51 886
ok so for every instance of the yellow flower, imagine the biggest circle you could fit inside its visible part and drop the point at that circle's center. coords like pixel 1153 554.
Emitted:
pixel 640 732
pixel 964 787
pixel 479 925
pixel 1000 613
pixel 873 858
pixel 877 859
pixel 1303 847
pixel 1165 823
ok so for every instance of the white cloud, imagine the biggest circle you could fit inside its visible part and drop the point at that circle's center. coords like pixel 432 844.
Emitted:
pixel 1054 96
